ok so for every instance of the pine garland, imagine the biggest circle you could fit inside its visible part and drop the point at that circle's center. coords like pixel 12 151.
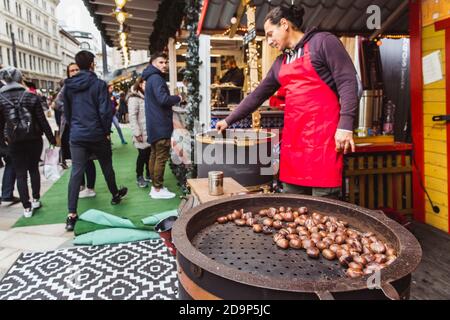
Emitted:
pixel 191 77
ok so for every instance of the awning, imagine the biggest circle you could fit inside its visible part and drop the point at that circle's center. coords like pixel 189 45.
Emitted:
pixel 342 17
pixel 141 23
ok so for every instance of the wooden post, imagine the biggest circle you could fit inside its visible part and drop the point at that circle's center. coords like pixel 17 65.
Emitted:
pixel 253 61
pixel 172 66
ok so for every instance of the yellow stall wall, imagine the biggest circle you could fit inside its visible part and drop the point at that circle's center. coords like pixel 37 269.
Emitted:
pixel 435 135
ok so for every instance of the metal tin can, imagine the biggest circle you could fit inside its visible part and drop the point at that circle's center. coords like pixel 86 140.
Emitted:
pixel 215 182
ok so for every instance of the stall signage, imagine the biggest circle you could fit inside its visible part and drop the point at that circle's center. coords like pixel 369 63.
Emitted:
pixel 250 36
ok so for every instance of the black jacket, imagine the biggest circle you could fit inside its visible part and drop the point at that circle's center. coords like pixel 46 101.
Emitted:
pixel 158 105
pixel 33 104
pixel 87 107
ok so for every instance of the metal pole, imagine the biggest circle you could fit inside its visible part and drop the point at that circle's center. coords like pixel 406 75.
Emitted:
pixel 14 49
pixel 105 58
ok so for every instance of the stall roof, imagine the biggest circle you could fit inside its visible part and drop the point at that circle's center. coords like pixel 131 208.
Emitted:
pixel 343 17
pixel 140 24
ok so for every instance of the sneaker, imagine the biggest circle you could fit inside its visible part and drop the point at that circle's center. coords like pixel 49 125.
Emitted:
pixel 124 142
pixel 87 193
pixel 141 182
pixel 36 204
pixel 163 193
pixel 28 212
pixel 119 196
pixel 148 179
pixel 10 201
pixel 70 222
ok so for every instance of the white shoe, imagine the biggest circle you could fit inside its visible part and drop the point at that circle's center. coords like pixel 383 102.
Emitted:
pixel 163 193
pixel 28 213
pixel 35 204
pixel 87 193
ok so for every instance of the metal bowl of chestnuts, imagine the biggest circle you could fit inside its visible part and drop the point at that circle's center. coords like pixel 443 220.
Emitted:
pixel 292 247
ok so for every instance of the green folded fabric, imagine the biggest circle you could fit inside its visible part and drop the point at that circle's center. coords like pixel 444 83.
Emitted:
pixel 106 219
pixel 113 236
pixel 154 219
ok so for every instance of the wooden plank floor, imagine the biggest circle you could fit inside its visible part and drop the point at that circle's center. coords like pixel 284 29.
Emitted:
pixel 431 280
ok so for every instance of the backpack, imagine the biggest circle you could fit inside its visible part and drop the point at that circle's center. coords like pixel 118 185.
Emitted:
pixel 19 121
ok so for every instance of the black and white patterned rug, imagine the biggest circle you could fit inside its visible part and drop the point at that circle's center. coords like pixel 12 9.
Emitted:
pixel 132 271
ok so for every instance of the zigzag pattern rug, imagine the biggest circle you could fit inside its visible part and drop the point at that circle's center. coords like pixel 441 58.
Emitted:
pixel 131 271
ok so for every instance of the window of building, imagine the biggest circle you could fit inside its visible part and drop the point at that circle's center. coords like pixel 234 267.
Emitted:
pixel 46 25
pixel 40 43
pixel 20 60
pixel 8 53
pixel 7 5
pixel 47 45
pixel 19 10
pixel 1 55
pixel 29 16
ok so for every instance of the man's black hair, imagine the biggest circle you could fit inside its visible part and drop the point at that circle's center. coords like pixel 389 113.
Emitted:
pixel 159 55
pixel 84 59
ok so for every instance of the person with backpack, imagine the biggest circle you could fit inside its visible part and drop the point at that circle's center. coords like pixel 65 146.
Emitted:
pixel 22 123
pixel 87 108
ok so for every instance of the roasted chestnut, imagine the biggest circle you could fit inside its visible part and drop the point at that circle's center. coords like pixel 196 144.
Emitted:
pixel 282 209
pixel 314 229
pixel 277 224
pixel 360 260
pixel 328 254
pixel 268 222
pixel 313 252
pixel 303 233
pixel 237 214
pixel 354 273
pixel 257 228
pixel 292 230
pixel 339 239
pixel 303 210
pixel 354 265
pixel 292 236
pixel 342 252
pixel 316 236
pixel 306 244
pixel 328 241
pixel 278 217
pixel 323 234
pixel 277 237
pixel 222 220
pixel 296 214
pixel 292 225
pixel 295 244
pixel 247 215
pixel 230 217
pixel 271 212
pixel 380 258
pixel 283 243
pixel 240 222
pixel 391 252
pixel 345 260
pixel 284 231
pixel 321 245
pixel 334 248
pixel 377 247
pixel 288 217
pixel 263 212
pixel 251 221
pixel 267 230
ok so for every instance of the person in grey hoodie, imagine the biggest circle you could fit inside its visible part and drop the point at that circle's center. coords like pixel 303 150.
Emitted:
pixel 88 112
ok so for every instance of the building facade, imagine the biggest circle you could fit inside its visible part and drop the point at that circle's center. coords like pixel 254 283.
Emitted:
pixel 69 48
pixel 30 40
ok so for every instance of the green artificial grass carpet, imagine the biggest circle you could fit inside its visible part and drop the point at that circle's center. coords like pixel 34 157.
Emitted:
pixel 136 206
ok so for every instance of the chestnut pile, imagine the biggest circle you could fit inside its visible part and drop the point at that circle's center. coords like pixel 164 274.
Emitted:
pixel 318 234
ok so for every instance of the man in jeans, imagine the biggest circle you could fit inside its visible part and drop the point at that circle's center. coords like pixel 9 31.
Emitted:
pixel 88 112
pixel 159 114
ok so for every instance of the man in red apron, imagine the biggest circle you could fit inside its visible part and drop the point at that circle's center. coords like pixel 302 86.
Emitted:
pixel 321 87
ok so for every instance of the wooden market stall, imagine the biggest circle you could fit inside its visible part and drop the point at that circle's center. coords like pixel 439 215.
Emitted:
pixel 430 41
pixel 379 175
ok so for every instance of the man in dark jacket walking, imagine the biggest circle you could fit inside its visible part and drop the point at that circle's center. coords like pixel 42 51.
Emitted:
pixel 159 114
pixel 88 113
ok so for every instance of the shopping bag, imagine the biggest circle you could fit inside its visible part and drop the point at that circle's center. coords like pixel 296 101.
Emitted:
pixel 51 161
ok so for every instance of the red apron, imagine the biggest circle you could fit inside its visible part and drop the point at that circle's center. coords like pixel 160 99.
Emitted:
pixel 311 116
